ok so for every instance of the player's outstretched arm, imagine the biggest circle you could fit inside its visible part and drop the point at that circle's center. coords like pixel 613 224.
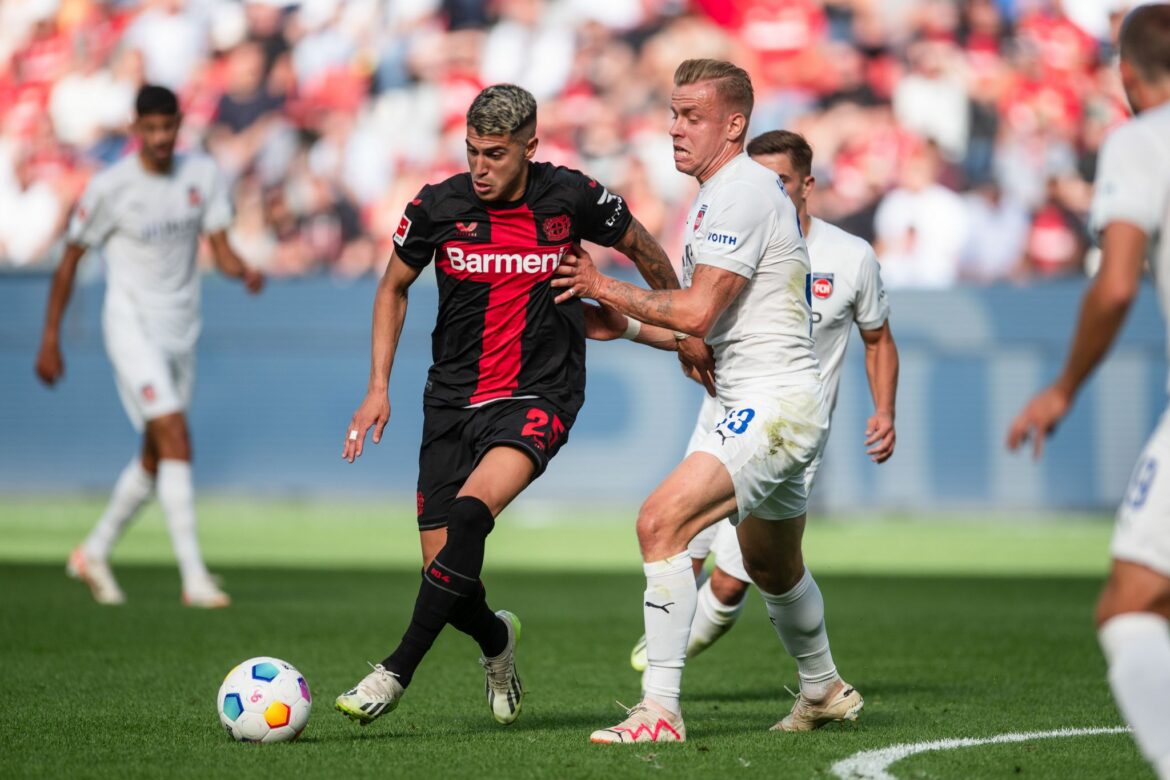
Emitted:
pixel 389 314
pixel 654 266
pixel 881 369
pixel 230 264
pixel 604 323
pixel 692 311
pixel 50 365
pixel 1103 311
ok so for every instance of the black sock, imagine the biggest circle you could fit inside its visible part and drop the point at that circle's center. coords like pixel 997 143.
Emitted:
pixel 475 618
pixel 449 583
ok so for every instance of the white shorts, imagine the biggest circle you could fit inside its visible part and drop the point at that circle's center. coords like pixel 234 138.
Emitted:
pixel 152 382
pixel 766 441
pixel 1142 532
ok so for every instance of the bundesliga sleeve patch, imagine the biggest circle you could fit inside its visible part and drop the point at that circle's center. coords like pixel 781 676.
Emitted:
pixel 403 231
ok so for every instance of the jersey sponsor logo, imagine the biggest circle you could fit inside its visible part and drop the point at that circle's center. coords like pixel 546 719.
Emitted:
pixel 466 228
pixel 557 228
pixel 822 285
pixel 722 239
pixel 699 218
pixel 503 262
pixel 403 231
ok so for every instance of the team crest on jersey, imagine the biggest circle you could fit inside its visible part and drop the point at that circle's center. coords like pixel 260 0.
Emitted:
pixel 193 196
pixel 699 218
pixel 148 393
pixel 403 231
pixel 557 228
pixel 822 285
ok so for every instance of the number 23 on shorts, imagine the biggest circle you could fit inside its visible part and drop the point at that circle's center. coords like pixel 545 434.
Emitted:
pixel 736 421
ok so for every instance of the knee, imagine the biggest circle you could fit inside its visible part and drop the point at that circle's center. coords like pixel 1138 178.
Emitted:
pixel 657 530
pixel 727 589
pixel 773 575
pixel 469 520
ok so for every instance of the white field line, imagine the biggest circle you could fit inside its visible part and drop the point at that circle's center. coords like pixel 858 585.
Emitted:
pixel 874 764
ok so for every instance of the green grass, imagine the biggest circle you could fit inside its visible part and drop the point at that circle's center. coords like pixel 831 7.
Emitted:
pixel 948 629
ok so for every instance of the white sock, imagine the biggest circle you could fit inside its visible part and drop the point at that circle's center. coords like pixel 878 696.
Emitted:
pixel 131 491
pixel 669 608
pixel 799 618
pixel 1137 648
pixel 176 493
pixel 712 620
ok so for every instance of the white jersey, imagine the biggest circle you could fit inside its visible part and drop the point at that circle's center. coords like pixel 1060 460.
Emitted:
pixel 149 225
pixel 742 221
pixel 846 289
pixel 1133 185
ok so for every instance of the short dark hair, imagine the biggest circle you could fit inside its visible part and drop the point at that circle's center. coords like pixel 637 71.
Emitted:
pixel 1145 40
pixel 784 142
pixel 733 85
pixel 153 99
pixel 503 109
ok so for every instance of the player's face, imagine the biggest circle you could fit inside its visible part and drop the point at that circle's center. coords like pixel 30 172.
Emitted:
pixel 702 127
pixel 158 133
pixel 498 164
pixel 797 185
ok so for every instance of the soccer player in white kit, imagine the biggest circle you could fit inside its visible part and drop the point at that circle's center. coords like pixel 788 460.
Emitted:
pixel 746 291
pixel 846 290
pixel 1131 214
pixel 148 211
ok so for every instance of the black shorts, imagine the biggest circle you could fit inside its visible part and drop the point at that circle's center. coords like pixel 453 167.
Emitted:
pixel 454 440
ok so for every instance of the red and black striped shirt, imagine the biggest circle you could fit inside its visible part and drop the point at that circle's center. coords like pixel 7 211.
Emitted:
pixel 498 333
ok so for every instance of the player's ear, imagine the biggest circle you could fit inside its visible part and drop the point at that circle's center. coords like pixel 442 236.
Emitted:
pixel 736 126
pixel 810 183
pixel 530 147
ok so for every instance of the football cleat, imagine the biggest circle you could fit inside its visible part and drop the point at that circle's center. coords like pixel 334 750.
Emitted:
pixel 646 721
pixel 638 658
pixel 205 594
pixel 378 693
pixel 844 704
pixel 97 575
pixel 505 694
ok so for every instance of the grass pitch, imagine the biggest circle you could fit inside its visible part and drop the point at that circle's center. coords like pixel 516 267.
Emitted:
pixel 948 630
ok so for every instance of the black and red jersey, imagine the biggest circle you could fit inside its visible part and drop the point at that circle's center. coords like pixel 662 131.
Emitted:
pixel 498 332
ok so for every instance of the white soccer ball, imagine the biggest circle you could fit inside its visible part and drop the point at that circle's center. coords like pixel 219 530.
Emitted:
pixel 264 700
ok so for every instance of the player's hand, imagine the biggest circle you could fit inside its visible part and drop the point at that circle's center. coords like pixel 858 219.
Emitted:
pixel 698 362
pixel 50 366
pixel 880 437
pixel 1039 419
pixel 578 275
pixel 253 280
pixel 373 413
pixel 604 323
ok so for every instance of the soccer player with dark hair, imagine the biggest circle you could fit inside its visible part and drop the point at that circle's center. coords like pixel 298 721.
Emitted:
pixel 147 212
pixel 509 370
pixel 1130 214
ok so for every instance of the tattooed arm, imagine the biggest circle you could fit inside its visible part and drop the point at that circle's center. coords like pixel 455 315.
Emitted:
pixel 649 257
pixel 654 266
pixel 692 311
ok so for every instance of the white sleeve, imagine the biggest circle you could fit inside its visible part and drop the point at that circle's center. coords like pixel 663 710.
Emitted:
pixel 91 223
pixel 218 214
pixel 1129 185
pixel 737 226
pixel 872 308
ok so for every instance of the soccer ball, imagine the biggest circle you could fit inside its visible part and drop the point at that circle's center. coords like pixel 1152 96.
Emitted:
pixel 264 700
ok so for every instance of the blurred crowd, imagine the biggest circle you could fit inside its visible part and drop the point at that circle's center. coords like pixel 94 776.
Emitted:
pixel 959 137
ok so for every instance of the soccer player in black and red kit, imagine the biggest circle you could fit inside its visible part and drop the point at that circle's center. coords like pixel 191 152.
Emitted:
pixel 509 370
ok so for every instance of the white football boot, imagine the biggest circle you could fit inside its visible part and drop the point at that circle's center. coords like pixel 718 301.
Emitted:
pixel 843 704
pixel 505 694
pixel 378 693
pixel 646 721
pixel 97 575
pixel 205 594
